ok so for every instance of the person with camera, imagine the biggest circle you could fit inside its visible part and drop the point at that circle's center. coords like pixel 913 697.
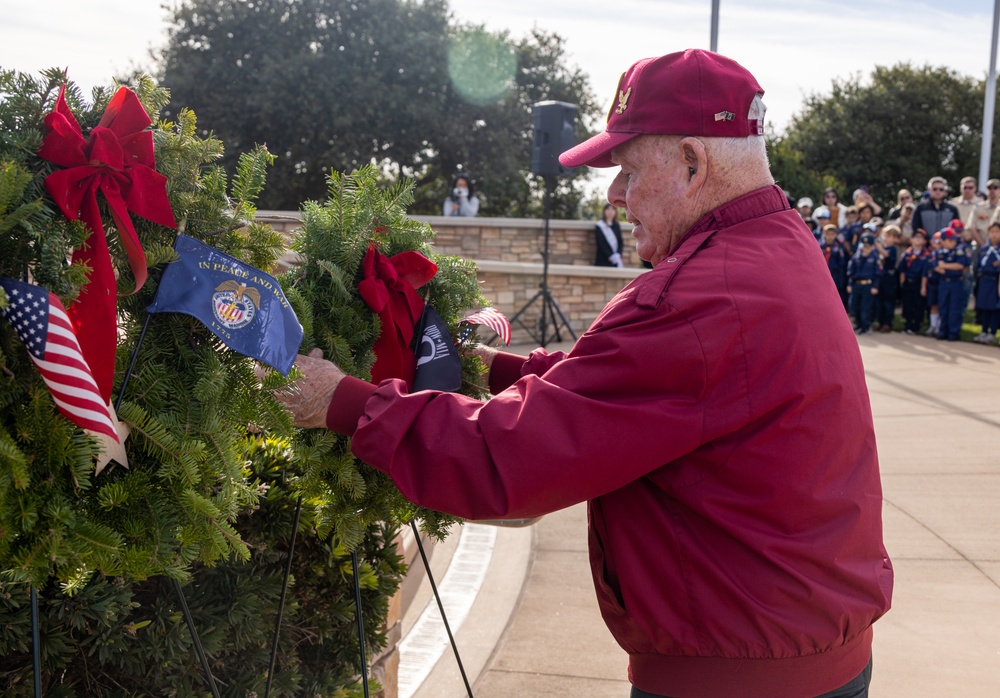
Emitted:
pixel 731 476
pixel 461 201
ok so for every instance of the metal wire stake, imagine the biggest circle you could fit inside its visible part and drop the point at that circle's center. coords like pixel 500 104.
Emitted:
pixel 444 618
pixel 361 622
pixel 36 652
pixel 197 640
pixel 281 602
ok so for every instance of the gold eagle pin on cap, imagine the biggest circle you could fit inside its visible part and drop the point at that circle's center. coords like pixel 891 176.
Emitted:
pixel 623 101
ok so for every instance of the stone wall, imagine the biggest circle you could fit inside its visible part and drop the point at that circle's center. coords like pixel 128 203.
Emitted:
pixel 508 255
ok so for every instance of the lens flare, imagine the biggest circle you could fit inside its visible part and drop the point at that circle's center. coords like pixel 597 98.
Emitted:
pixel 481 67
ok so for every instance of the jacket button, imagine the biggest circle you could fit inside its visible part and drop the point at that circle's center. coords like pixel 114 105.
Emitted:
pixel 672 259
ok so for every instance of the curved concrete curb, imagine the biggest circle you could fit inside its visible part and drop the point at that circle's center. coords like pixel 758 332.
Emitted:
pixel 480 592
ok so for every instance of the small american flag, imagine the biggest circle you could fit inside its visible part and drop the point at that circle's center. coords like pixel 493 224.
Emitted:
pixel 40 321
pixel 494 319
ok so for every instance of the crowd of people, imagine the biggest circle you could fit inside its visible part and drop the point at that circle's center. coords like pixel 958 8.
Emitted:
pixel 930 258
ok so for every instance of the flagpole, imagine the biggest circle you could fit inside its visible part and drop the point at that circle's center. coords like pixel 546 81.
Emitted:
pixel 36 652
pixel 989 103
pixel 131 364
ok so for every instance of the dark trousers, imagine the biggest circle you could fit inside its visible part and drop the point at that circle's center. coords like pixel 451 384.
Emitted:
pixel 862 305
pixel 885 302
pixel 991 321
pixel 951 297
pixel 855 688
pixel 842 291
pixel 914 305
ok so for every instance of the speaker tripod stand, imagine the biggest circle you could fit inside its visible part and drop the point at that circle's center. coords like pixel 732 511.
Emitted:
pixel 550 309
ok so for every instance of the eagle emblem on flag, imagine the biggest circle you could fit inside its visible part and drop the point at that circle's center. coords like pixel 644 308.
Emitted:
pixel 235 304
pixel 240 304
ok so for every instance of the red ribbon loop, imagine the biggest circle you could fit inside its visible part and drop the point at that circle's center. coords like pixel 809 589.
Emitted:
pixel 389 288
pixel 117 161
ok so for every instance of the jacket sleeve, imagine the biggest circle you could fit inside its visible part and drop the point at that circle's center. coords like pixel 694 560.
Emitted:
pixel 469 206
pixel 507 367
pixel 590 424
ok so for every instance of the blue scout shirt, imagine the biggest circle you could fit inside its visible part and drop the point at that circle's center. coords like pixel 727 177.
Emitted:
pixel 836 260
pixel 960 254
pixel 864 267
pixel 913 265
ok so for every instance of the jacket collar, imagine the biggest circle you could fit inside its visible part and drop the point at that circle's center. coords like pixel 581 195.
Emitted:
pixel 760 202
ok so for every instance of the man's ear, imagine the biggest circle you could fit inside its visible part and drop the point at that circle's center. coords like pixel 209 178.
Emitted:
pixel 696 159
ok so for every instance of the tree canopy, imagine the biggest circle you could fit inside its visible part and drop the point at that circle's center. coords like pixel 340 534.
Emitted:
pixel 897 129
pixel 331 85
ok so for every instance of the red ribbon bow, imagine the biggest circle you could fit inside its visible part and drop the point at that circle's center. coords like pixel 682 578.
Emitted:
pixel 389 288
pixel 118 161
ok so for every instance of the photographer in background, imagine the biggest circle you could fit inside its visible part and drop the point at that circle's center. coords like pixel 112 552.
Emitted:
pixel 461 201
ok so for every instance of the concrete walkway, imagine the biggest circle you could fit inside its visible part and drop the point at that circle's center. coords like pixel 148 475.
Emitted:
pixel 535 630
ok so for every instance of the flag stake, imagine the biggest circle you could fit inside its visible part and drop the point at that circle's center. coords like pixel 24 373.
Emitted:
pixel 281 601
pixel 36 652
pixel 197 640
pixel 131 363
pixel 437 597
pixel 361 622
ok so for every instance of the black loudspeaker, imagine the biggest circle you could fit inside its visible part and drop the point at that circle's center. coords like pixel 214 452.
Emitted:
pixel 555 133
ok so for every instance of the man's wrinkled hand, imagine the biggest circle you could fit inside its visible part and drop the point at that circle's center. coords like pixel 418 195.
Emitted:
pixel 485 353
pixel 308 398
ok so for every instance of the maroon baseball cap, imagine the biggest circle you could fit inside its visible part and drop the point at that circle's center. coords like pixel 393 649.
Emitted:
pixel 689 93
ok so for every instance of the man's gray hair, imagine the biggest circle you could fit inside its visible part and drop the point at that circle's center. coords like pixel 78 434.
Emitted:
pixel 935 180
pixel 752 146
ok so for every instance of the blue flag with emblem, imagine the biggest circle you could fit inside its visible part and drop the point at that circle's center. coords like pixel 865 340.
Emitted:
pixel 241 305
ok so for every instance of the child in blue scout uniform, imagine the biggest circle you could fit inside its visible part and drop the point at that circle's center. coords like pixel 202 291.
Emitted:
pixel 950 266
pixel 969 275
pixel 913 268
pixel 850 230
pixel 933 280
pixel 822 217
pixel 863 273
pixel 887 285
pixel 988 292
pixel 836 259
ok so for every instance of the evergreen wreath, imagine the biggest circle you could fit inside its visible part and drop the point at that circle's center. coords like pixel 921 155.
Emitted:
pixel 215 467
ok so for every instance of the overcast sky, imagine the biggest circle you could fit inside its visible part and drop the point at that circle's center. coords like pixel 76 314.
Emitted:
pixel 793 47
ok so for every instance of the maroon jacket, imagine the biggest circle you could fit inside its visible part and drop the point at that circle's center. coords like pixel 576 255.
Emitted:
pixel 716 418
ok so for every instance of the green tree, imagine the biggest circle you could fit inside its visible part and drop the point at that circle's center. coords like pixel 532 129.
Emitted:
pixel 897 129
pixel 332 85
pixel 492 139
pixel 790 172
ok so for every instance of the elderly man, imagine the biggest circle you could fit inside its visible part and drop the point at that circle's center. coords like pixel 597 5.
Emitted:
pixel 984 213
pixel 731 472
pixel 966 199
